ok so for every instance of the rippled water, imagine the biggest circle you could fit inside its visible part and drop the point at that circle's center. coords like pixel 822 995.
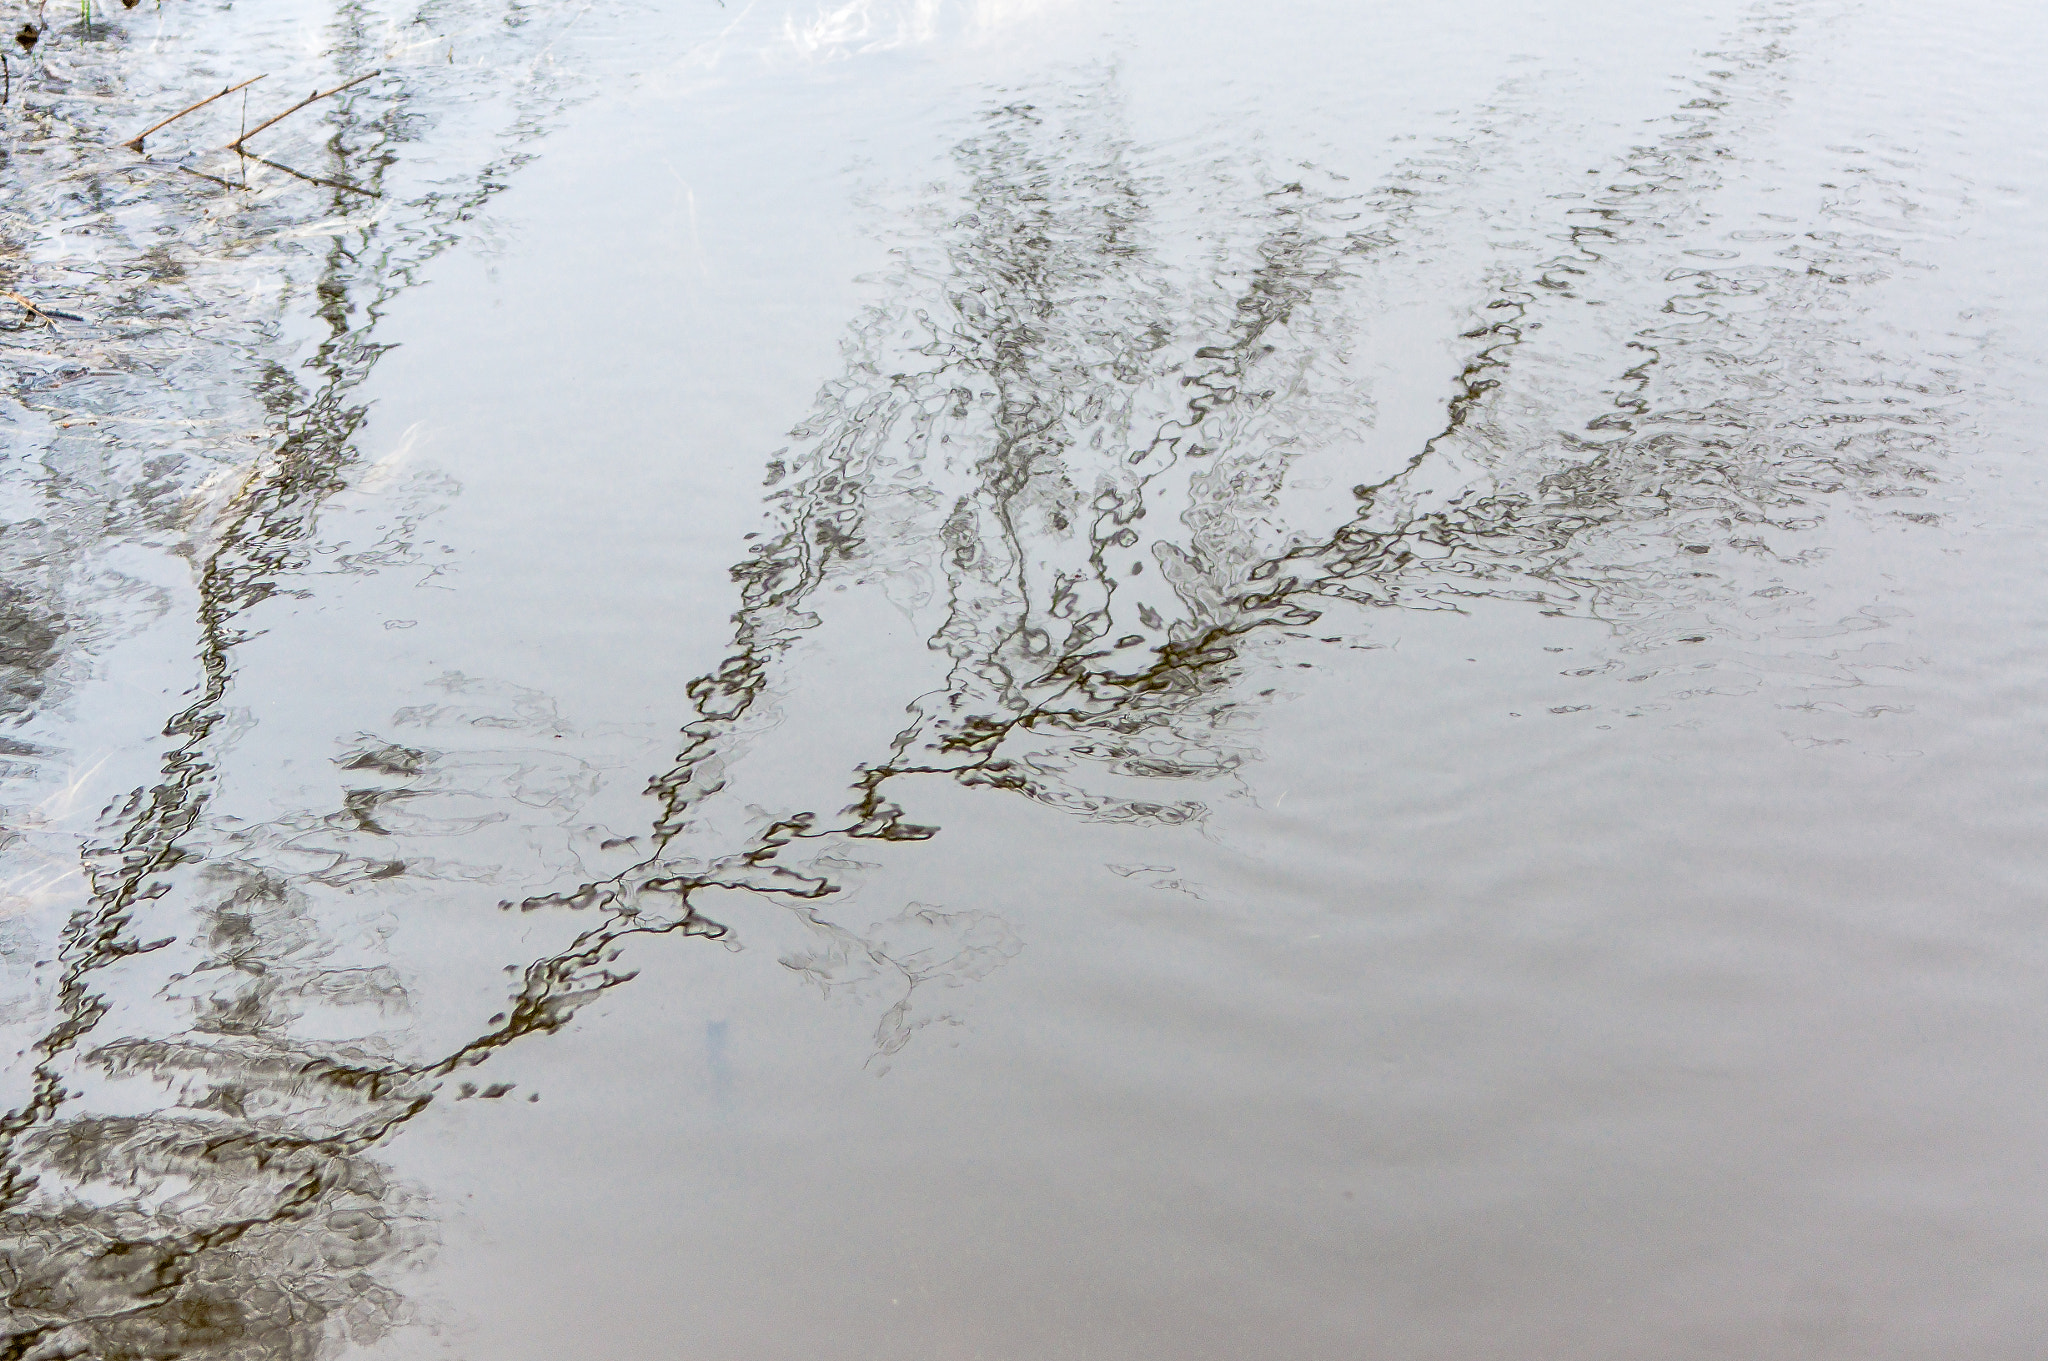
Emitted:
pixel 1023 679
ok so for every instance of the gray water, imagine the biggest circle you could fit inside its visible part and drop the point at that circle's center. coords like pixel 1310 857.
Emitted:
pixel 1025 679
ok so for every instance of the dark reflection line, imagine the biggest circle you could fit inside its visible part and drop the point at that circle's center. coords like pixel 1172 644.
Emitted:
pixel 313 179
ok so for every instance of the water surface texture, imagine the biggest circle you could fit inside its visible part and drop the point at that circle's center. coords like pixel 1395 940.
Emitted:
pixel 1022 679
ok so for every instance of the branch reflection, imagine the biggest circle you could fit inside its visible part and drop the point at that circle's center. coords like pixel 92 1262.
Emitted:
pixel 1065 461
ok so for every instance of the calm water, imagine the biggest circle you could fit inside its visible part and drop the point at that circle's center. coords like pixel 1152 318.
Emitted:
pixel 921 679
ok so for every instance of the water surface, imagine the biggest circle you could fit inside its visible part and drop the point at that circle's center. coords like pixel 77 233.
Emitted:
pixel 1025 679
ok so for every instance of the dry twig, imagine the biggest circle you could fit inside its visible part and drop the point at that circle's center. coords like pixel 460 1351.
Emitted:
pixel 317 95
pixel 35 310
pixel 135 143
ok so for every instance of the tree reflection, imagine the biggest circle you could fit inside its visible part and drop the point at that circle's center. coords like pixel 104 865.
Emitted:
pixel 1064 460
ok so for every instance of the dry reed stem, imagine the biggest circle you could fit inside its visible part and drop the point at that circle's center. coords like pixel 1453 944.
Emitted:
pixel 48 320
pixel 316 96
pixel 135 143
